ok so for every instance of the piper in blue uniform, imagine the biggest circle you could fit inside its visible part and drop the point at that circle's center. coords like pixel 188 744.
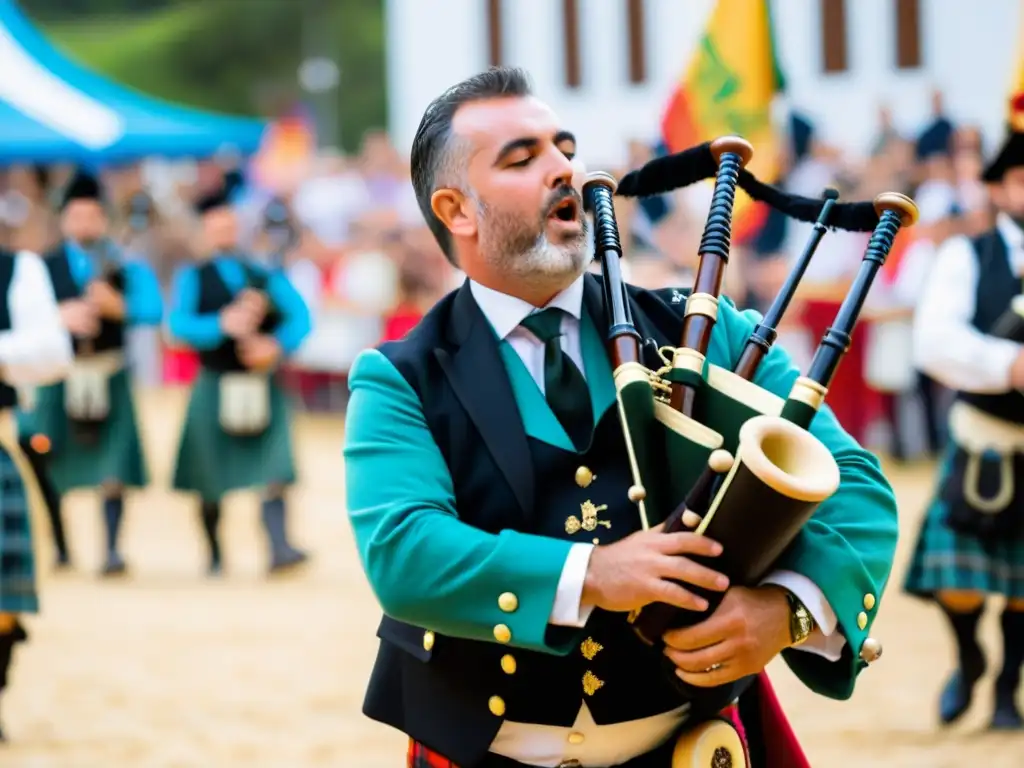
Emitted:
pixel 244 321
pixel 971 543
pixel 89 419
pixel 34 349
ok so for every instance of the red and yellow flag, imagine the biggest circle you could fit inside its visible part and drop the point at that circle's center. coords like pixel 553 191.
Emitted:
pixel 727 89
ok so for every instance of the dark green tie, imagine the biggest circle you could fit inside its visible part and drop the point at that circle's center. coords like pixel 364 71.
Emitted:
pixel 564 386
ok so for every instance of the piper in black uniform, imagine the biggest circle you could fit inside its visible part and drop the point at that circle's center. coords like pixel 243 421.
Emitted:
pixel 89 419
pixel 244 320
pixel 971 543
pixel 34 349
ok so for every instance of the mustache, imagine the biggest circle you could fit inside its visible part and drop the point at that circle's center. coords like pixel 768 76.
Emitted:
pixel 559 196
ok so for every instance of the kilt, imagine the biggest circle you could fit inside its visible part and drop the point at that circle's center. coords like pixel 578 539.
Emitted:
pixel 212 462
pixel 944 559
pixel 17 559
pixel 74 463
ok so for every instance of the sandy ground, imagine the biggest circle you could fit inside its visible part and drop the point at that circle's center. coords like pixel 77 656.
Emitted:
pixel 167 669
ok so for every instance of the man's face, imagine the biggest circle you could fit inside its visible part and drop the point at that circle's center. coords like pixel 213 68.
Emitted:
pixel 84 222
pixel 522 205
pixel 220 229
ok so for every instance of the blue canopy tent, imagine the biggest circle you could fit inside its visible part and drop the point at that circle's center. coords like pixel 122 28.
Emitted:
pixel 53 110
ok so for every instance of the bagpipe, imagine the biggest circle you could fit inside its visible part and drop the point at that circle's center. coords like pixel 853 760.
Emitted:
pixel 709 444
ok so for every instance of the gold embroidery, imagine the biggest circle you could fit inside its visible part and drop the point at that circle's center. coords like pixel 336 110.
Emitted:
pixel 589 512
pixel 590 648
pixel 590 683
pixel 572 525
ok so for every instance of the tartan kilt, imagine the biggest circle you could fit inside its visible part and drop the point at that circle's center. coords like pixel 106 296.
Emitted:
pixel 17 558
pixel 946 560
pixel 213 463
pixel 76 463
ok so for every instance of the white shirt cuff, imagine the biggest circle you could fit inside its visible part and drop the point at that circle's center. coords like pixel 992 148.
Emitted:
pixel 568 610
pixel 826 641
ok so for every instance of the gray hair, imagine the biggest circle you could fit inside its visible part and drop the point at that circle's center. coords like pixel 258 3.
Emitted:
pixel 438 158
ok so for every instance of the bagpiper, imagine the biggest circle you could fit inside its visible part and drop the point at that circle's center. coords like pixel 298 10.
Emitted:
pixel 89 419
pixel 35 349
pixel 244 320
pixel 971 543
pixel 487 484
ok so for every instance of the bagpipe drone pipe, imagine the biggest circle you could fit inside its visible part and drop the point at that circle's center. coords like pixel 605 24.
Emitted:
pixel 708 441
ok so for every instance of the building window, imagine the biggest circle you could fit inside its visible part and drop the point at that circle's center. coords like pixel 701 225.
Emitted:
pixel 571 32
pixel 908 34
pixel 833 35
pixel 494 33
pixel 637 41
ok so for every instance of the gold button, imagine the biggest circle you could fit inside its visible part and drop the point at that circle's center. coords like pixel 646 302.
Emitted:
pixel 496 705
pixel 584 477
pixel 576 738
pixel 870 650
pixel 502 634
pixel 597 541
pixel 637 493
pixel 428 640
pixel 869 602
pixel 508 602
pixel 508 664
pixel 862 619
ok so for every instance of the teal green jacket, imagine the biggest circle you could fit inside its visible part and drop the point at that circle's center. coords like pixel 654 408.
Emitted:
pixel 429 569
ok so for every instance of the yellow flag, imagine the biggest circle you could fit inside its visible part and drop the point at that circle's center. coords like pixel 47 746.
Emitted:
pixel 727 89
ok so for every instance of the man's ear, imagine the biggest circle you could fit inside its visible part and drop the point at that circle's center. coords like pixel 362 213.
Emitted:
pixel 451 207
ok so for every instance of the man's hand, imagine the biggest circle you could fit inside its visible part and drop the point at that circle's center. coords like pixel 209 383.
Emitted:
pixel 79 317
pixel 1017 372
pixel 629 574
pixel 254 301
pixel 107 301
pixel 747 631
pixel 259 353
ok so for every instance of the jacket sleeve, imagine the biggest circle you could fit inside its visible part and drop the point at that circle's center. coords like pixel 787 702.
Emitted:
pixel 425 566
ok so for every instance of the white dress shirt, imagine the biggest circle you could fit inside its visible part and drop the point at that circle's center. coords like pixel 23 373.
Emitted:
pixel 37 349
pixel 946 346
pixel 548 746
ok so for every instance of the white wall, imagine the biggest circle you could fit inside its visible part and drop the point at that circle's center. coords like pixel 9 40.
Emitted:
pixel 969 48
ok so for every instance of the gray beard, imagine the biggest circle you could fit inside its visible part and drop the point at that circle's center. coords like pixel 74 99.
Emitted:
pixel 514 248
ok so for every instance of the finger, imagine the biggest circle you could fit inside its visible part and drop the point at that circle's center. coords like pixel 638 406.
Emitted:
pixel 728 673
pixel 686 570
pixel 673 594
pixel 712 630
pixel 698 661
pixel 687 543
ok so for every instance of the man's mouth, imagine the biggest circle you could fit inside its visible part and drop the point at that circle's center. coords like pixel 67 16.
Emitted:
pixel 566 211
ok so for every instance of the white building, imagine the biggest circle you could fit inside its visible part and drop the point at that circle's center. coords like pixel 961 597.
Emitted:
pixel 608 66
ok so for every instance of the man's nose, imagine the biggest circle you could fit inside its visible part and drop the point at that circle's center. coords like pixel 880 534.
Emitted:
pixel 560 174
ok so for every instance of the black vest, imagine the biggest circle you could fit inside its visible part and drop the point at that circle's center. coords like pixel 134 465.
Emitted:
pixel 111 335
pixel 8 395
pixel 997 285
pixel 214 295
pixel 504 479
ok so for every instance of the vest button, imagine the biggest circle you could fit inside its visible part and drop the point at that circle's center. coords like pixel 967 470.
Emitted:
pixel 502 633
pixel 497 706
pixel 862 620
pixel 428 640
pixel 576 738
pixel 584 477
pixel 508 602
pixel 508 664
pixel 869 601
